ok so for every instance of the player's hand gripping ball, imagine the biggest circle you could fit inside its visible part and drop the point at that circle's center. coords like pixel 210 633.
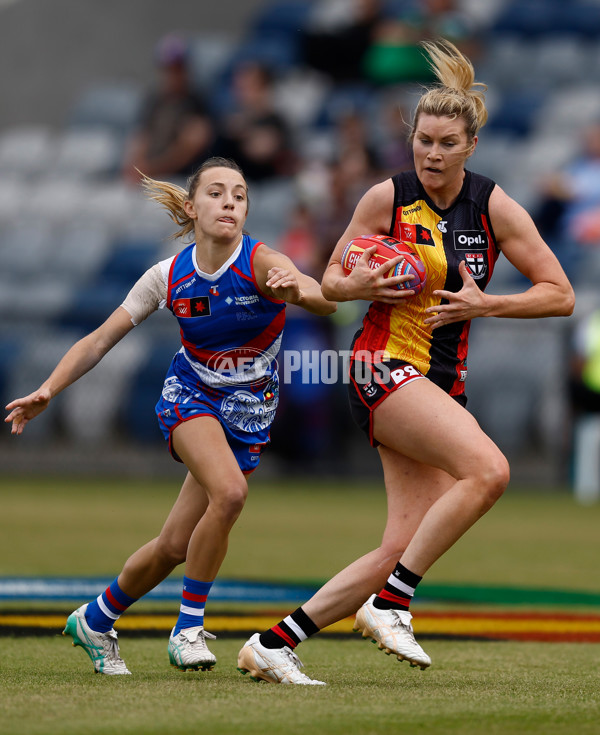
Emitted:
pixel 387 248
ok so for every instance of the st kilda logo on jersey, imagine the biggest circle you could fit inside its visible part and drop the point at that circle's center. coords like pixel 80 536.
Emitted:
pixel 476 264
pixel 189 308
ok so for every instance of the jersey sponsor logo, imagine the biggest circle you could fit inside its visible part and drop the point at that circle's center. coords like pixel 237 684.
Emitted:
pixel 476 264
pixel 405 374
pixel 412 210
pixel 247 300
pixel 470 239
pixel 185 285
pixel 441 225
pixel 416 234
pixel 214 290
pixel 189 308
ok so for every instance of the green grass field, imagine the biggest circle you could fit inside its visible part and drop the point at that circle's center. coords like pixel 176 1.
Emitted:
pixel 299 531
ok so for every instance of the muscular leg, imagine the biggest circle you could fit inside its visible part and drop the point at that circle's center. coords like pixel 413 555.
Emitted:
pixel 411 489
pixel 446 436
pixel 441 474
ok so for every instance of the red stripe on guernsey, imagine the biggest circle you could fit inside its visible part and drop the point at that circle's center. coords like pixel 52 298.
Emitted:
pixel 173 285
pixel 111 598
pixel 291 643
pixel 261 342
pixel 493 252
pixel 458 386
pixel 235 269
pixel 194 598
pixel 258 288
pixel 375 337
pixel 385 595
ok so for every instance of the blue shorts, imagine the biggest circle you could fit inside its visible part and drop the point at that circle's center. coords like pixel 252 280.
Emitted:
pixel 244 412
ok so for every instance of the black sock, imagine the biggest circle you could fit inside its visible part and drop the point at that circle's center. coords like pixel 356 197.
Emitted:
pixel 290 631
pixel 398 590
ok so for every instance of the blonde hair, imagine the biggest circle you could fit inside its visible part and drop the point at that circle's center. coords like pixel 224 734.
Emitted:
pixel 173 197
pixel 458 95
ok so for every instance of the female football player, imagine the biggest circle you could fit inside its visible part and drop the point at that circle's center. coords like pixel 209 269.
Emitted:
pixel 441 471
pixel 228 292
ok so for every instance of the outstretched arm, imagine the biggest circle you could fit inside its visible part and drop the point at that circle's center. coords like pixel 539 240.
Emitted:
pixel 278 277
pixel 81 358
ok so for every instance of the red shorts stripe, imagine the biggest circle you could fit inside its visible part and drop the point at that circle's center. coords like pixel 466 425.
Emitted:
pixel 194 598
pixel 390 597
pixel 291 643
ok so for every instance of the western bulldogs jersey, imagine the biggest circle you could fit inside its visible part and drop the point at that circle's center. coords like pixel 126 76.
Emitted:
pixel 442 239
pixel 230 331
pixel 230 334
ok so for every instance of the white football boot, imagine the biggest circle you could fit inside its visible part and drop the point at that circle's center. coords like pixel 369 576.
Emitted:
pixel 392 631
pixel 102 648
pixel 275 665
pixel 188 650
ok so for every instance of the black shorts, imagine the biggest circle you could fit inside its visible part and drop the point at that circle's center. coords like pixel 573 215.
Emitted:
pixel 371 382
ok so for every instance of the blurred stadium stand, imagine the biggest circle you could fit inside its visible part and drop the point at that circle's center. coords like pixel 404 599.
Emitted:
pixel 73 238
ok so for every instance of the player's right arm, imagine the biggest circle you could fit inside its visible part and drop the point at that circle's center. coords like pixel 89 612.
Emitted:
pixel 81 358
pixel 371 217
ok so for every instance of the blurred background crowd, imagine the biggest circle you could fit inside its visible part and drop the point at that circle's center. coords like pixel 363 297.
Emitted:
pixel 313 99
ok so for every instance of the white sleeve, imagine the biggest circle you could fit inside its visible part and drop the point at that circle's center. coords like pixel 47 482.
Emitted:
pixel 149 293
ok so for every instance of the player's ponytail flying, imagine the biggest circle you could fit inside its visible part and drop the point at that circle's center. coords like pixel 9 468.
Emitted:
pixel 172 197
pixel 458 95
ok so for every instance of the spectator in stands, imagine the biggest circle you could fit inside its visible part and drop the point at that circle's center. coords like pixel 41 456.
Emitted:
pixel 338 36
pixel 252 131
pixel 175 132
pixel 394 56
pixel 569 215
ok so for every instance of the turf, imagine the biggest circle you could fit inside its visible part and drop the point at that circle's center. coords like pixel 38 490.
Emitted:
pixel 291 530
pixel 48 688
pixel 299 531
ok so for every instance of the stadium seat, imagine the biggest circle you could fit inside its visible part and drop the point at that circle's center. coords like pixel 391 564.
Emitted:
pixel 88 152
pixel 26 150
pixel 113 105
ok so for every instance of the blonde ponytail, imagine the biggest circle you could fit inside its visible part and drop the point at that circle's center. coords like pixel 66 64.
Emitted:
pixel 171 197
pixel 458 95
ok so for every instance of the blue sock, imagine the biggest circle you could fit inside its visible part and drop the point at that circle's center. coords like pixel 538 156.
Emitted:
pixel 102 612
pixel 193 600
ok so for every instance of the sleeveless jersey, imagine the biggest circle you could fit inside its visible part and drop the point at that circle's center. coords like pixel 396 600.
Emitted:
pixel 230 331
pixel 442 239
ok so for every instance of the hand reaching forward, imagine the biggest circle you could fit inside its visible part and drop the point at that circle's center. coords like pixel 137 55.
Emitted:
pixel 24 409
pixel 284 285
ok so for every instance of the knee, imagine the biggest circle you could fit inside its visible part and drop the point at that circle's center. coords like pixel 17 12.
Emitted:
pixel 228 501
pixel 494 478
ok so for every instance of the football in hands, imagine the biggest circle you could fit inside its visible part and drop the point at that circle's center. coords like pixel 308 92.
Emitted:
pixel 387 248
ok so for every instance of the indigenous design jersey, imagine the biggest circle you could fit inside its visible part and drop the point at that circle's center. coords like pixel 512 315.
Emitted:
pixel 442 239
pixel 230 334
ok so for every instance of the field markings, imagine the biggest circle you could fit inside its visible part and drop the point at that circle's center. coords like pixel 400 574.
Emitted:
pixel 467 624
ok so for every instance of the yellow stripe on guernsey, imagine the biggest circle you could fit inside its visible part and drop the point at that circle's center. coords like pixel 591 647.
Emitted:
pixel 409 338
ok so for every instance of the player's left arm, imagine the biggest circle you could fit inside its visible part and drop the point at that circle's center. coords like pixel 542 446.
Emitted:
pixel 279 278
pixel 550 293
